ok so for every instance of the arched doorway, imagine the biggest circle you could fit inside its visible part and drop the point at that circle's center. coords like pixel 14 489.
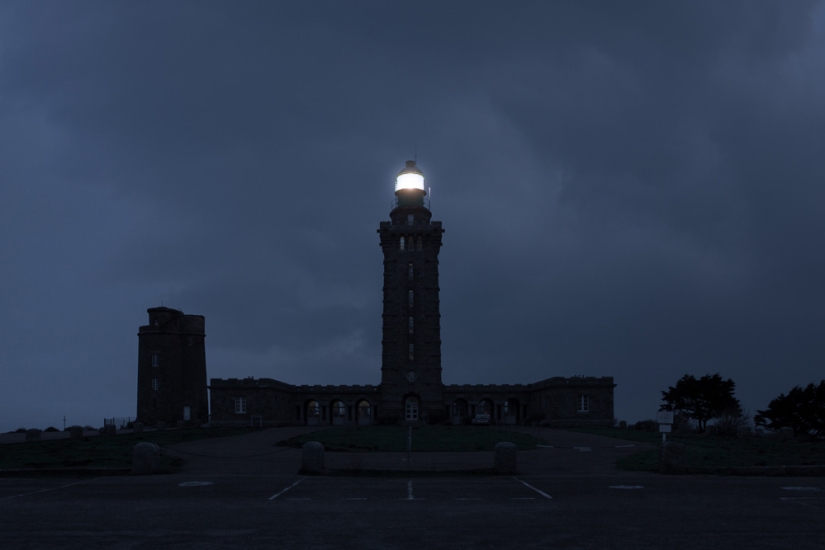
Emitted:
pixel 411 409
pixel 313 413
pixel 364 415
pixel 511 411
pixel 339 413
pixel 459 411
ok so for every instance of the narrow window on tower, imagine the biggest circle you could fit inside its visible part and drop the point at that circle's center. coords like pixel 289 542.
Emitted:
pixel 410 272
pixel 412 352
pixel 411 325
pixel 155 384
pixel 155 359
pixel 401 244
pixel 410 219
pixel 419 243
pixel 410 294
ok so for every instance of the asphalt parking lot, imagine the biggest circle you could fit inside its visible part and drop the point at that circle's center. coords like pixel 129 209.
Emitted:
pixel 565 498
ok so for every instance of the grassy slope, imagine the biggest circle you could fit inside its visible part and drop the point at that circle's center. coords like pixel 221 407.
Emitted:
pixel 715 451
pixel 425 438
pixel 100 451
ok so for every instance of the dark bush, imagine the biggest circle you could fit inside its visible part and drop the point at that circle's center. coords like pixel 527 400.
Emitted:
pixel 646 425
pixel 20 430
pixel 51 429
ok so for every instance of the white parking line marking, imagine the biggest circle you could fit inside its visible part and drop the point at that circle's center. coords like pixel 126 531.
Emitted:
pixel 799 499
pixel 49 489
pixel 542 493
pixel 195 483
pixel 812 489
pixel 546 446
pixel 410 492
pixel 626 487
pixel 582 449
pixel 276 495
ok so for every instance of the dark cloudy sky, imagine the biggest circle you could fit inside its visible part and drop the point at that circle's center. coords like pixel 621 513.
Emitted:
pixel 629 189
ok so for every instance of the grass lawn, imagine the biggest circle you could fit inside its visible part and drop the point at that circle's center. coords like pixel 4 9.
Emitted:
pixel 424 438
pixel 101 451
pixel 719 452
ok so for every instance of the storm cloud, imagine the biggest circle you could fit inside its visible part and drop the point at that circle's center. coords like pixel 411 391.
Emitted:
pixel 628 189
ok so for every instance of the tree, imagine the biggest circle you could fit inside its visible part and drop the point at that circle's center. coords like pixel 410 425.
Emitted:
pixel 702 399
pixel 802 409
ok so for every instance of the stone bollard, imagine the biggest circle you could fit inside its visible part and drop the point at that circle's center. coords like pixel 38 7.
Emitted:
pixel 137 427
pixel 672 458
pixel 785 434
pixel 505 458
pixel 180 424
pixel 76 432
pixel 145 458
pixel 33 435
pixel 160 426
pixel 109 429
pixel 312 458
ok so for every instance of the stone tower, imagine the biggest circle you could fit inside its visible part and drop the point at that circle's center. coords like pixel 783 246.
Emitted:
pixel 411 387
pixel 172 369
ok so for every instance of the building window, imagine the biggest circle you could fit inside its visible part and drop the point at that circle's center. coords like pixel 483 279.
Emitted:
pixel 339 410
pixel 411 409
pixel 412 352
pixel 409 272
pixel 584 403
pixel 155 384
pixel 240 405
pixel 410 219
pixel 410 296
pixel 401 243
pixel 313 410
pixel 155 359
pixel 411 322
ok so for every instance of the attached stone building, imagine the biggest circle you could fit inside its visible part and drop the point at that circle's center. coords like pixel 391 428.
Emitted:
pixel 411 390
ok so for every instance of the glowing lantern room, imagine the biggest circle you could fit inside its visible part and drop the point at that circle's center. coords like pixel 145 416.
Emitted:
pixel 409 186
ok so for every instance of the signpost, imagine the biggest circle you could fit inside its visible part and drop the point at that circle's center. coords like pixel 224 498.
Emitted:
pixel 665 420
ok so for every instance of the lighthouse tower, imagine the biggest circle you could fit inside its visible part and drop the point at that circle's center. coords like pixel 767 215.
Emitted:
pixel 411 387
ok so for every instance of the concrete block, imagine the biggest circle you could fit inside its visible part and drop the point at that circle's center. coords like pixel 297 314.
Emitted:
pixel 672 458
pixel 76 432
pixel 145 458
pixel 505 458
pixel 161 425
pixel 137 427
pixel 312 457
pixel 34 435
